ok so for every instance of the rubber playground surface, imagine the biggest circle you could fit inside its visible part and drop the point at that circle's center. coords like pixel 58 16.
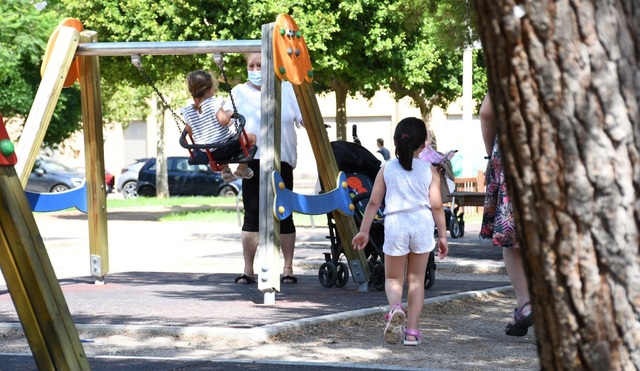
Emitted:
pixel 176 277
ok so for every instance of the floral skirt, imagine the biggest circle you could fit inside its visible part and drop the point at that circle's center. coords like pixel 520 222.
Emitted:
pixel 497 221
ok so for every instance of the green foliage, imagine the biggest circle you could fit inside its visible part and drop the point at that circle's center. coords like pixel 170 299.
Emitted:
pixel 480 83
pixel 165 20
pixel 24 32
pixel 454 23
pixel 357 46
pixel 353 43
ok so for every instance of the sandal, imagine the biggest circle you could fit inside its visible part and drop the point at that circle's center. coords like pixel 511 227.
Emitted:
pixel 245 173
pixel 395 319
pixel 521 323
pixel 227 175
pixel 414 333
pixel 247 280
pixel 288 278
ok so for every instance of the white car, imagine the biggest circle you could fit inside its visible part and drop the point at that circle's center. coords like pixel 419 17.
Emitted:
pixel 129 177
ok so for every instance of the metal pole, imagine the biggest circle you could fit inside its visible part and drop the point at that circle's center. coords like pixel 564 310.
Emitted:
pixel 112 49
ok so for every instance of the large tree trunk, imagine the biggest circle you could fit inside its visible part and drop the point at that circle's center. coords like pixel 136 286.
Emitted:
pixel 565 81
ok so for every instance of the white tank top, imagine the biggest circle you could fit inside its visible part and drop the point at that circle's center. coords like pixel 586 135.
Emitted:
pixel 406 190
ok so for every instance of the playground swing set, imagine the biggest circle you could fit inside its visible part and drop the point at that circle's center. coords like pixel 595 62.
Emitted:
pixel 72 55
pixel 202 154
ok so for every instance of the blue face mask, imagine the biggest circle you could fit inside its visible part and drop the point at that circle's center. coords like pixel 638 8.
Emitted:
pixel 255 77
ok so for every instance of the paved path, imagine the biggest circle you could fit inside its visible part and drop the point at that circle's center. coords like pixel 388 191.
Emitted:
pixel 157 267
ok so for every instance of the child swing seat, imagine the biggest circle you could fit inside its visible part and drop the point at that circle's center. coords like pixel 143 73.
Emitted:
pixel 203 154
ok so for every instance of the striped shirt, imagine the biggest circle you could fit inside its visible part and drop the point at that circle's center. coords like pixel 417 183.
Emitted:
pixel 205 127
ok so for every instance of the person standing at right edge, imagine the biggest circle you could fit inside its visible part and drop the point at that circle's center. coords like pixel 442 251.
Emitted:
pixel 499 226
pixel 248 102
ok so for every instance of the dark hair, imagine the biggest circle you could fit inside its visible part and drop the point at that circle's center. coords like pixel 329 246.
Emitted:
pixel 198 82
pixel 410 134
pixel 380 141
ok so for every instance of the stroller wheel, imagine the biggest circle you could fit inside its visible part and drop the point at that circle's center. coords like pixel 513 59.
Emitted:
pixel 454 228
pixel 377 277
pixel 328 274
pixel 430 274
pixel 342 275
pixel 429 278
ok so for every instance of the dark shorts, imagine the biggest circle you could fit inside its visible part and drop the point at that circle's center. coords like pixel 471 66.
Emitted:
pixel 251 198
pixel 220 153
pixel 227 151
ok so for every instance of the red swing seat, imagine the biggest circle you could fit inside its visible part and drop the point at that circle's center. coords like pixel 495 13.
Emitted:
pixel 200 154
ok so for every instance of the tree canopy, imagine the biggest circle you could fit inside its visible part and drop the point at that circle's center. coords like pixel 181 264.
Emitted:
pixel 357 46
pixel 24 31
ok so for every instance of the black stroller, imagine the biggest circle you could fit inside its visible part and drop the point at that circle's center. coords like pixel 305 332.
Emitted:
pixel 361 167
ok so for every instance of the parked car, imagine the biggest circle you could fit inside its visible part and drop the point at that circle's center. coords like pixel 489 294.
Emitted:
pixel 109 179
pixel 186 180
pixel 49 176
pixel 129 177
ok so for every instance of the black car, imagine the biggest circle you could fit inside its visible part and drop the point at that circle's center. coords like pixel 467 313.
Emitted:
pixel 49 176
pixel 186 180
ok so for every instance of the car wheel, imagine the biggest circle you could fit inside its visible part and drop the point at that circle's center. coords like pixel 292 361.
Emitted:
pixel 227 191
pixel 59 188
pixel 146 192
pixel 129 190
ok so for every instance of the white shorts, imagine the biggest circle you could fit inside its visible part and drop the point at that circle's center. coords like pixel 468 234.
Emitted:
pixel 409 232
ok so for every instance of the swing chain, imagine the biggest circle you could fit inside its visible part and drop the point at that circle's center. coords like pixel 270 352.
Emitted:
pixel 218 60
pixel 137 62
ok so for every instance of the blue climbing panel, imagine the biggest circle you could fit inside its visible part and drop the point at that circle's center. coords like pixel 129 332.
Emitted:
pixel 46 202
pixel 286 201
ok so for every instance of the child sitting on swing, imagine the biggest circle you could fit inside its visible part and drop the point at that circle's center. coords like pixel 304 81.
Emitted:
pixel 208 122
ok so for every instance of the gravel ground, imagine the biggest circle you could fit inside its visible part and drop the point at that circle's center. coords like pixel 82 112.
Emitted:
pixel 462 334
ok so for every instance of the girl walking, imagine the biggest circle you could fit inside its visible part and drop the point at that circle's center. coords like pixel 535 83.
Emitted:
pixel 410 189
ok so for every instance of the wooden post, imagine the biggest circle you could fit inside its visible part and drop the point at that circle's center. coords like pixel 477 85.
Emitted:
pixel 480 181
pixel 32 282
pixel 328 173
pixel 269 227
pixel 94 160
pixel 294 64
pixel 45 101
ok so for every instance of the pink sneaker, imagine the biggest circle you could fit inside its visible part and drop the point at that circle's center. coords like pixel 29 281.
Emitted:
pixel 395 321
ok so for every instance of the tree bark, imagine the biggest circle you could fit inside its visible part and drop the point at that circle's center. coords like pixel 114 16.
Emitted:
pixel 564 78
pixel 341 91
pixel 162 174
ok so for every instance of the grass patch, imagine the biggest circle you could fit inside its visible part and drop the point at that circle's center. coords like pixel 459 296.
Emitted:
pixel 222 216
pixel 228 216
pixel 171 201
pixel 209 216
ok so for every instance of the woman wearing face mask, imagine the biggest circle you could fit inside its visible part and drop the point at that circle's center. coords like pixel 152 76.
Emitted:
pixel 247 99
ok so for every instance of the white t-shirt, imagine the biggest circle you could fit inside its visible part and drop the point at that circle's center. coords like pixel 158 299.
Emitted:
pixel 247 100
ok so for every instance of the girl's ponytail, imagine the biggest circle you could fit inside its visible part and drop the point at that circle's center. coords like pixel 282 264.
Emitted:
pixel 410 134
